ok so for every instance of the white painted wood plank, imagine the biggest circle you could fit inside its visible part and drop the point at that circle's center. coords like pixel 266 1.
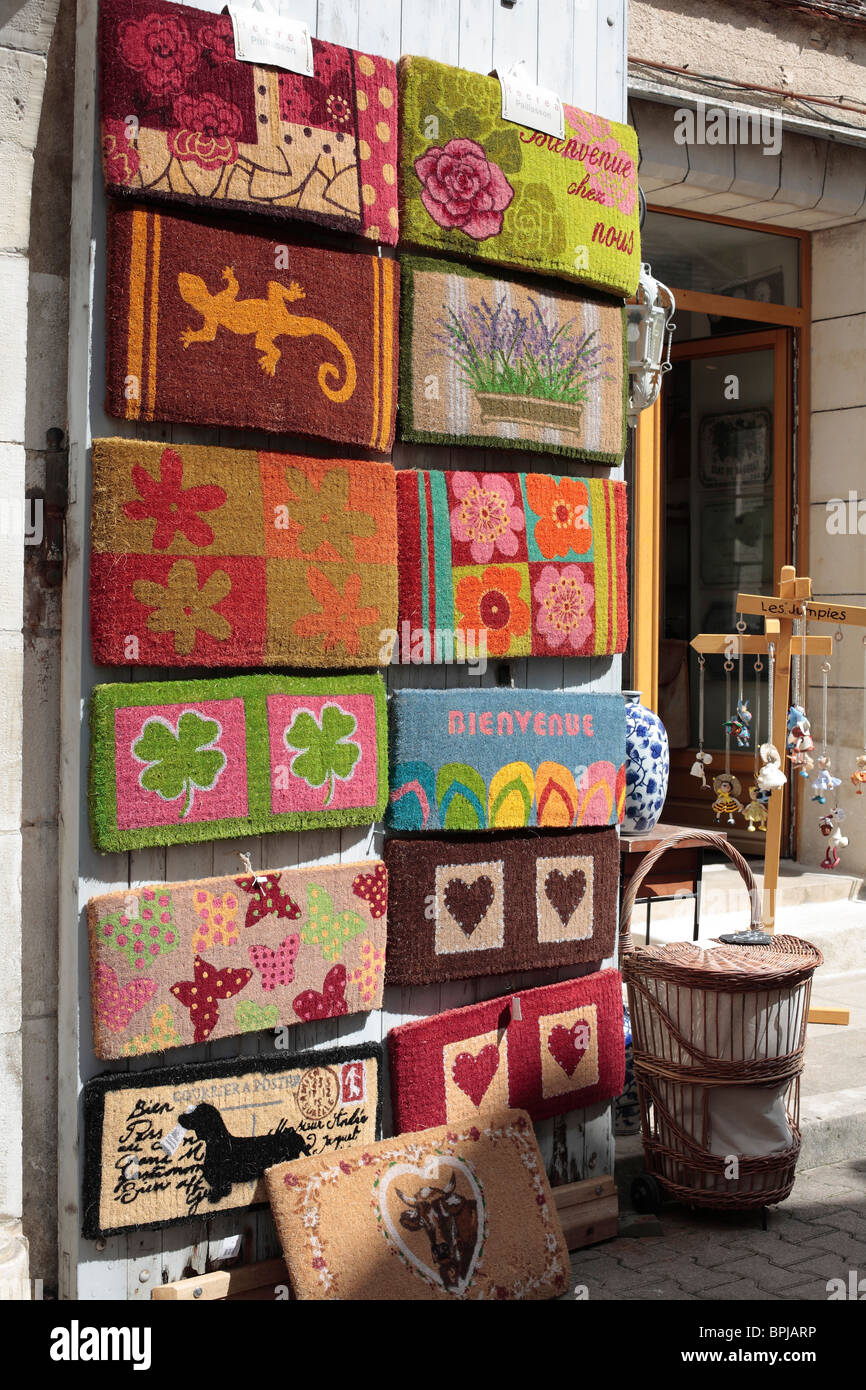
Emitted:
pixel 584 83
pixel 432 30
pixel 379 28
pixel 475 45
pixel 515 37
pixel 337 22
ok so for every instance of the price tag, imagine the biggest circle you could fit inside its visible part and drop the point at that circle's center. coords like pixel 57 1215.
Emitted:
pixel 536 107
pixel 271 41
pixel 173 1140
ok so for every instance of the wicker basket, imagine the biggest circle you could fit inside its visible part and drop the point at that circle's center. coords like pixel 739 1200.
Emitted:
pixel 718 1038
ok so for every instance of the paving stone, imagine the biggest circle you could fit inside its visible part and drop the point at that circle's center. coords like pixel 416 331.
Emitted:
pixel 815 1291
pixel 740 1289
pixel 645 1254
pixel 661 1293
pixel 778 1250
pixel 851 1221
pixel 845 1246
pixel 692 1277
pixel 766 1275
pixel 821 1264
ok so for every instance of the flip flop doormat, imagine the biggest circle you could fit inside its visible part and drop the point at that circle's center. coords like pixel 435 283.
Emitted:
pixel 211 326
pixel 184 120
pixel 514 564
pixel 486 360
pixel 271 949
pixel 223 557
pixel 475 185
pixel 184 1143
pixel 177 761
pixel 497 904
pixel 501 759
pixel 462 1213
pixel 564 1051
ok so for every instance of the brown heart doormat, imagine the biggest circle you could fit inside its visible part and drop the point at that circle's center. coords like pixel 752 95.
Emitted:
pixel 461 908
pixel 186 1142
pixel 211 326
pixel 462 1213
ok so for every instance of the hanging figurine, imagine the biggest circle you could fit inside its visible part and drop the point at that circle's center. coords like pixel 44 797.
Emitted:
pixel 770 776
pixel 798 742
pixel 727 788
pixel 755 814
pixel 702 759
pixel 858 776
pixel 837 841
pixel 824 782
pixel 738 724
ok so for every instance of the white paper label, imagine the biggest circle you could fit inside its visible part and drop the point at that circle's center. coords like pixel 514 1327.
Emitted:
pixel 270 41
pixel 226 1249
pixel 528 105
pixel 172 1141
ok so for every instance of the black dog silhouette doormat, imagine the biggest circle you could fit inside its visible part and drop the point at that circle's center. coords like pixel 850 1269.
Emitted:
pixel 183 1143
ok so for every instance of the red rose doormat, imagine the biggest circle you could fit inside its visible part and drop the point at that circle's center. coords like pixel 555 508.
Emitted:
pixel 212 326
pixel 185 121
pixel 202 556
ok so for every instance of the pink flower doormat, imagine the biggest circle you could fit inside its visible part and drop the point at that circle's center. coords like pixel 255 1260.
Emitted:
pixel 178 761
pixel 202 556
pixel 565 1051
pixel 510 363
pixel 185 121
pixel 525 563
pixel 189 1142
pixel 272 949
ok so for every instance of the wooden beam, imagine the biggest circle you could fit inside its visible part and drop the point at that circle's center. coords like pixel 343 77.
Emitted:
pixel 819 1014
pixel 752 644
pixel 265 1276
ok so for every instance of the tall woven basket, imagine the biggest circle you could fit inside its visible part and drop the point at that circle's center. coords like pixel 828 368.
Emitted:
pixel 718 1037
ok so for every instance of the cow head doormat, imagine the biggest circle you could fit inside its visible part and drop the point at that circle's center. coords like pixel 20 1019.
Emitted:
pixel 177 761
pixel 185 121
pixel 188 1142
pixel 490 905
pixel 208 325
pixel 202 556
pixel 547 1050
pixel 462 1213
pixel 268 949
pixel 502 759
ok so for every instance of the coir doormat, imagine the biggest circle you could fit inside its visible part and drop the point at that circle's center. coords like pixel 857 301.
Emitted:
pixel 513 564
pixel 476 185
pixel 501 759
pixel 225 557
pixel 562 1049
pixel 462 1213
pixel 185 121
pixel 267 950
pixel 211 326
pixel 177 761
pixel 462 908
pixel 186 1142
pixel 500 361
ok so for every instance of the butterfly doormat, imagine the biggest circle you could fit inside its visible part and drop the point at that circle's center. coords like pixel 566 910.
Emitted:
pixel 462 1213
pixel 267 950
pixel 561 1050
pixel 202 556
pixel 459 908
pixel 476 185
pixel 212 326
pixel 501 759
pixel 186 1142
pixel 511 564
pixel 185 121
pixel 487 360
pixel 177 761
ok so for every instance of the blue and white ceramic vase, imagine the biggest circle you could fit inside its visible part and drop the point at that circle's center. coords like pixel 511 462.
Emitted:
pixel 647 765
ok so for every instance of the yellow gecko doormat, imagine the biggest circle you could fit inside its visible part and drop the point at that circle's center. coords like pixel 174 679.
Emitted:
pixel 202 556
pixel 188 1142
pixel 212 326
pixel 459 1213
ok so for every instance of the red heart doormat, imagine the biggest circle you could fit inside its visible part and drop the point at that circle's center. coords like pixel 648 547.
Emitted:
pixel 476 185
pixel 564 1052
pixel 177 761
pixel 211 326
pixel 185 121
pixel 511 564
pixel 225 557
pixel 268 950
pixel 188 1142
pixel 461 908
pixel 462 1213
pixel 502 361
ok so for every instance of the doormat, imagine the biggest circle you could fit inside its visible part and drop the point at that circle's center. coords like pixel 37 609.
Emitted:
pixel 279 948
pixel 476 185
pixel 506 362
pixel 211 326
pixel 501 759
pixel 562 1049
pixel 186 1142
pixel 445 1214
pixel 511 564
pixel 185 121
pixel 177 761
pixel 491 905
pixel 228 557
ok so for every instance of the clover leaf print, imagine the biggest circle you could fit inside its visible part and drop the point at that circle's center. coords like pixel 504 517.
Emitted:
pixel 325 750
pixel 179 761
